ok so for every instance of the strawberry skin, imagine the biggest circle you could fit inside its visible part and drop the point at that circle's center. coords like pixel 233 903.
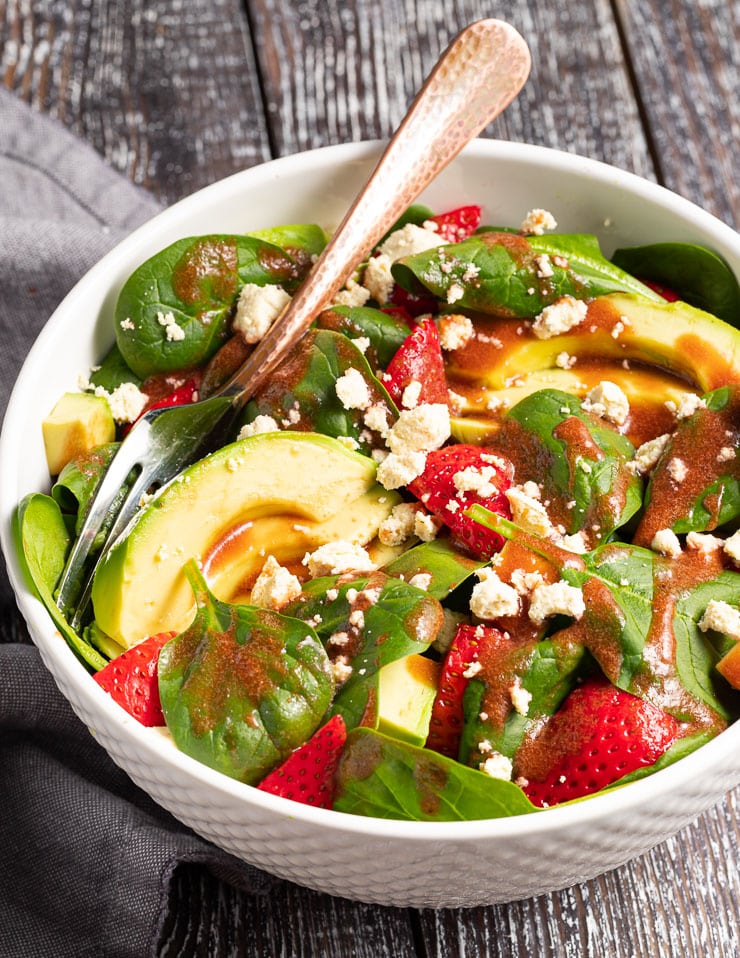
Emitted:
pixel 599 735
pixel 446 722
pixel 459 224
pixel 418 358
pixel 437 490
pixel 131 680
pixel 308 774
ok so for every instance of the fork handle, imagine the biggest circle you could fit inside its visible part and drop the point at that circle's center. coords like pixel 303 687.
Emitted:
pixel 476 78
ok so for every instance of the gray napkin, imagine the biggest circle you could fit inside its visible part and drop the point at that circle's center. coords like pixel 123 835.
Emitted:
pixel 86 858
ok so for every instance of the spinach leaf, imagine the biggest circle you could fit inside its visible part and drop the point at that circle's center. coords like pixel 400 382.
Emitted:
pixel 242 686
pixel 44 541
pixel 580 459
pixel 386 778
pixel 302 392
pixel 417 214
pixel 397 620
pixel 78 481
pixel 447 566
pixel 698 275
pixel 173 311
pixel 301 241
pixel 113 371
pixel 386 332
pixel 509 275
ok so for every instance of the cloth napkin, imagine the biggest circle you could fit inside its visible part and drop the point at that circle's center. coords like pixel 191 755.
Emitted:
pixel 86 858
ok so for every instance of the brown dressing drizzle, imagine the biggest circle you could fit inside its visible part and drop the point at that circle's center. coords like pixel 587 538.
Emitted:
pixel 207 273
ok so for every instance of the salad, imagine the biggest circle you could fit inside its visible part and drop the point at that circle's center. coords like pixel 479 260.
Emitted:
pixel 473 551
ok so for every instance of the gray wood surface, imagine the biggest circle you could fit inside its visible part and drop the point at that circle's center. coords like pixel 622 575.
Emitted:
pixel 176 94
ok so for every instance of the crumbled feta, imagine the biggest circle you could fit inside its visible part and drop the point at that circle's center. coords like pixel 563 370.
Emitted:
pixel 378 279
pixel 426 526
pixel 475 479
pixel 126 402
pixel 341 670
pixel 721 617
pixel 608 401
pixel 492 598
pixel 555 598
pixel 258 425
pixel 399 525
pixel 731 547
pixel 544 266
pixel 400 468
pixel 455 292
pixel 411 394
pixel 422 580
pixel 525 582
pixel 275 586
pixel 536 222
pixel 666 542
pixel 455 331
pixel 704 543
pixel 334 558
pixel 520 697
pixel 352 390
pixel 560 317
pixel 352 295
pixel 376 418
pixel 410 240
pixel 421 429
pixel 127 324
pixel 257 309
pixel 498 766
pixel 648 454
pixel 565 360
pixel 574 543
pixel 687 406
pixel 677 470
pixel 528 512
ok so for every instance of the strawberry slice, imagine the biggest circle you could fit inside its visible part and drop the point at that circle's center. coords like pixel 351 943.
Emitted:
pixel 446 487
pixel 414 304
pixel 131 679
pixel 599 734
pixel 419 358
pixel 669 295
pixel 307 775
pixel 446 722
pixel 459 224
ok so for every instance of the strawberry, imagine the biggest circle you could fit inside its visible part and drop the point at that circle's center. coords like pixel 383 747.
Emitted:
pixel 666 292
pixel 131 679
pixel 437 490
pixel 307 774
pixel 446 722
pixel 598 735
pixel 459 224
pixel 419 358
pixel 184 394
pixel 415 304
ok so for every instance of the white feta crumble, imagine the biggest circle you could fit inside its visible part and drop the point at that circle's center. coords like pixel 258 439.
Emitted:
pixel 353 390
pixel 704 543
pixel 399 526
pixel 565 361
pixel 555 598
pixel 478 480
pixel 127 324
pixel 520 697
pixel 677 470
pixel 378 278
pixel 536 222
pixel 410 240
pixel 528 512
pixel 498 766
pixel 126 402
pixel 721 617
pixel 258 425
pixel 257 309
pixel 334 558
pixel 426 526
pixel 455 331
pixel 275 586
pixel 491 598
pixel 455 292
pixel 687 406
pixel 400 468
pixel 731 547
pixel 648 454
pixel 422 580
pixel 726 454
pixel 421 429
pixel 544 266
pixel 574 543
pixel 525 582
pixel 341 670
pixel 608 401
pixel 353 294
pixel 411 394
pixel 666 542
pixel 560 317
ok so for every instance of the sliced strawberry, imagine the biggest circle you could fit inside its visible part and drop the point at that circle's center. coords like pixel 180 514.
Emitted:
pixel 131 679
pixel 419 358
pixel 438 491
pixel 599 734
pixel 307 775
pixel 399 312
pixel 181 396
pixel 459 224
pixel 415 304
pixel 665 291
pixel 446 722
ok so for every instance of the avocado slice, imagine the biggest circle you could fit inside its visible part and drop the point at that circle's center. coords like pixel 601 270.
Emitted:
pixel 273 493
pixel 406 692
pixel 78 423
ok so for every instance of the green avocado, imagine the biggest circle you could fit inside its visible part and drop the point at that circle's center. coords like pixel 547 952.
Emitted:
pixel 693 346
pixel 406 692
pixel 280 494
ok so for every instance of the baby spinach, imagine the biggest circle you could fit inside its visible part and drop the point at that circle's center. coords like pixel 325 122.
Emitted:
pixel 301 241
pixel 113 371
pixel 173 311
pixel 698 275
pixel 44 543
pixel 386 332
pixel 79 479
pixel 397 620
pixel 242 686
pixel 302 392
pixel 386 778
pixel 441 560
pixel 505 274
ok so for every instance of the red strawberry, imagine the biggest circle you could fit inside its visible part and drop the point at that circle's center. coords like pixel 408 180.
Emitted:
pixel 437 490
pixel 184 394
pixel 599 734
pixel 307 775
pixel 419 358
pixel 131 679
pixel 459 224
pixel 665 291
pixel 446 722
pixel 415 304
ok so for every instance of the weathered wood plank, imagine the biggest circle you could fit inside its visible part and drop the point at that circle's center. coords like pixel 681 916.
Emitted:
pixel 168 93
pixel 686 59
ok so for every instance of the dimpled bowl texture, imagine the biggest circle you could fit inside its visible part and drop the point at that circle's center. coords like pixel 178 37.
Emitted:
pixel 373 860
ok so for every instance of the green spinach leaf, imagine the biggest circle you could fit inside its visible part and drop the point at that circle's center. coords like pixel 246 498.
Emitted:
pixel 113 372
pixel 448 567
pixel 386 332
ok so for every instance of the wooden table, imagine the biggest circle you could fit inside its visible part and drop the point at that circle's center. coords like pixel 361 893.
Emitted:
pixel 178 93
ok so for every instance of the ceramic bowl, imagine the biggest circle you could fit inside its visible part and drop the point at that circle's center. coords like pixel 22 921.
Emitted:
pixel 374 860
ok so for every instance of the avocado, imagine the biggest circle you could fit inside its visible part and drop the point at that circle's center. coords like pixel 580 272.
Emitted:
pixel 674 347
pixel 273 493
pixel 78 423
pixel 406 692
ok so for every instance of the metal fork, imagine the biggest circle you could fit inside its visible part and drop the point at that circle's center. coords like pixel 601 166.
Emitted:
pixel 476 78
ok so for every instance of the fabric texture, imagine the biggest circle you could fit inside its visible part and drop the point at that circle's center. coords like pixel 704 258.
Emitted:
pixel 86 857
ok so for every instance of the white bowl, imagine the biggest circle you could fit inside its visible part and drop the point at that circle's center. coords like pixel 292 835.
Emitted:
pixel 374 860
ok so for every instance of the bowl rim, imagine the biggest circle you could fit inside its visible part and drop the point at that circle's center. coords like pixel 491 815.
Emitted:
pixel 647 791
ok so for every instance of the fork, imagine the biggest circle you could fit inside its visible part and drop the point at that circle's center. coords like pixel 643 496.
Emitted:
pixel 475 79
